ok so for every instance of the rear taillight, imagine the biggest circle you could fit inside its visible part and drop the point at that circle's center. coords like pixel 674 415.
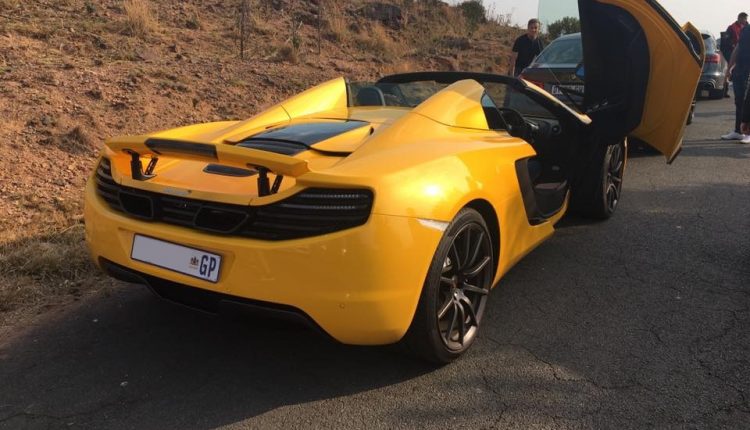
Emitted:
pixel 713 58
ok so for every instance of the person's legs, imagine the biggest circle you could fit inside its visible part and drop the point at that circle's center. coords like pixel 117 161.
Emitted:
pixel 739 83
pixel 740 86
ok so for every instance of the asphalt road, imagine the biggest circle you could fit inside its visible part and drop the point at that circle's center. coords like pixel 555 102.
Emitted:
pixel 638 322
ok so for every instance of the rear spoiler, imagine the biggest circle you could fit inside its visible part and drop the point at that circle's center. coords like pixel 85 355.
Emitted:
pixel 220 153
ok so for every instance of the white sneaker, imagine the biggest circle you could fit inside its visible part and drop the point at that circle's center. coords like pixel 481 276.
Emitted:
pixel 733 136
pixel 745 139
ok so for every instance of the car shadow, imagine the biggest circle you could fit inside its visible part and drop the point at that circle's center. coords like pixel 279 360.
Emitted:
pixel 98 362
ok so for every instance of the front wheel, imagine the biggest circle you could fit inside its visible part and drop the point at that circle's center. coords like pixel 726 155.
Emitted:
pixel 455 292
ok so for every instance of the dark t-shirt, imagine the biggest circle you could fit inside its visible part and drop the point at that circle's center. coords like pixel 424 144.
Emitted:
pixel 743 52
pixel 527 49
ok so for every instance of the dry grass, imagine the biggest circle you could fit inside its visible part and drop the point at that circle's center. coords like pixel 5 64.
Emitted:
pixel 139 20
pixel 404 65
pixel 6 5
pixel 75 141
pixel 337 22
pixel 261 26
pixel 36 269
pixel 377 41
pixel 434 23
pixel 285 53
pixel 193 21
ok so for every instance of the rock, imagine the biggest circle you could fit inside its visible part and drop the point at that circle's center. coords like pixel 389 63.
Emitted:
pixel 387 14
pixel 306 17
pixel 99 43
pixel 95 93
pixel 456 42
pixel 47 120
pixel 446 63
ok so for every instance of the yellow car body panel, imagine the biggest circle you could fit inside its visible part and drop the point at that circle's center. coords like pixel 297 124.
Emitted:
pixel 336 279
pixel 456 106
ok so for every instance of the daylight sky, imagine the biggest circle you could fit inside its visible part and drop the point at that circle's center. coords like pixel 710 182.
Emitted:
pixel 714 16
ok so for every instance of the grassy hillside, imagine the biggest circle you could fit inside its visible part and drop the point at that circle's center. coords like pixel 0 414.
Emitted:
pixel 74 72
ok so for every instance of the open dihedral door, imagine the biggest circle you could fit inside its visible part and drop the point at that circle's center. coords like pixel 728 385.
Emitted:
pixel 641 72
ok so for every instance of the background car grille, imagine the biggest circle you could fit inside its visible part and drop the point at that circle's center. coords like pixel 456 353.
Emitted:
pixel 312 212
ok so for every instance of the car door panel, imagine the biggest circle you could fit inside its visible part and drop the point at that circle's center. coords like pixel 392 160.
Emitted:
pixel 641 71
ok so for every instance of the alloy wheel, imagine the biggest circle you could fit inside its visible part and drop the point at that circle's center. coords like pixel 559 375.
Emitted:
pixel 464 286
pixel 613 183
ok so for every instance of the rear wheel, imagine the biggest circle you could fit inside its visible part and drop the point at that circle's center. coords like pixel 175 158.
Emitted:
pixel 454 295
pixel 598 193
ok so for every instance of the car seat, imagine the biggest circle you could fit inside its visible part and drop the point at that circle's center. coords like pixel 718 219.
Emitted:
pixel 370 96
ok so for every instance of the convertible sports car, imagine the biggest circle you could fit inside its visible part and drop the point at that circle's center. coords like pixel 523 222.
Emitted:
pixel 386 212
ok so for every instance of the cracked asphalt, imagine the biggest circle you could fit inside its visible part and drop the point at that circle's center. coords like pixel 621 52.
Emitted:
pixel 638 322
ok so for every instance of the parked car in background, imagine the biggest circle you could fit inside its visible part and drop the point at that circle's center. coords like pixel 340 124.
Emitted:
pixel 713 82
pixel 554 69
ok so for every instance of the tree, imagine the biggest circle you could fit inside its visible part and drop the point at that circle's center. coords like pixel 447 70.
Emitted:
pixel 567 25
pixel 474 12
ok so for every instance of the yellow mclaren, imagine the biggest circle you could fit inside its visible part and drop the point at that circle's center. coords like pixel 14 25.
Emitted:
pixel 386 212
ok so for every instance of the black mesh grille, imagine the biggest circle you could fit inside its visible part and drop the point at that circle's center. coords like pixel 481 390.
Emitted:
pixel 309 213
pixel 108 189
pixel 312 212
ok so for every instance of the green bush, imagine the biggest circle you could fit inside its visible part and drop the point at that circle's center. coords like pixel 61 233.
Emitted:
pixel 563 26
pixel 474 12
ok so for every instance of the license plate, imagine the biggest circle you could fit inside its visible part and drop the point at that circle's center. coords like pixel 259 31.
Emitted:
pixel 704 93
pixel 555 91
pixel 177 258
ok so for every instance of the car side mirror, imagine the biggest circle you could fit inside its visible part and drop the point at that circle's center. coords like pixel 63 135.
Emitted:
pixel 580 72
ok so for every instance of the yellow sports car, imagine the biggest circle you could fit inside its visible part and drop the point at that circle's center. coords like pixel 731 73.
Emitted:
pixel 386 212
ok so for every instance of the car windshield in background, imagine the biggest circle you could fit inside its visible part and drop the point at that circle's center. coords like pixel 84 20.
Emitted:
pixel 709 42
pixel 568 51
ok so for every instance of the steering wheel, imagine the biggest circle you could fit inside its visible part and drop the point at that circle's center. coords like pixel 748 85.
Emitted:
pixel 517 125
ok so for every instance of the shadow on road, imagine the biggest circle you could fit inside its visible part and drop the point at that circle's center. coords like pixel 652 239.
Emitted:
pixel 178 368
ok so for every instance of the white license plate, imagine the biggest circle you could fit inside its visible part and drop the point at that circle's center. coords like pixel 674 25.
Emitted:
pixel 182 259
pixel 555 91
pixel 705 93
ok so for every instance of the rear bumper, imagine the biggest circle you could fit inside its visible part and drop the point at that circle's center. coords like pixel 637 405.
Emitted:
pixel 711 81
pixel 205 300
pixel 361 286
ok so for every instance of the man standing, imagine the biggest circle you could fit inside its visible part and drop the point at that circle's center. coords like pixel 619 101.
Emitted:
pixel 733 34
pixel 739 68
pixel 525 48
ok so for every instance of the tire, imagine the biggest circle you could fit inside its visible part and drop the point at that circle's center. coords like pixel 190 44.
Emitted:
pixel 455 292
pixel 598 193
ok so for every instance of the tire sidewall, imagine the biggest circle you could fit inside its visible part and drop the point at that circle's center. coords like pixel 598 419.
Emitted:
pixel 425 321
